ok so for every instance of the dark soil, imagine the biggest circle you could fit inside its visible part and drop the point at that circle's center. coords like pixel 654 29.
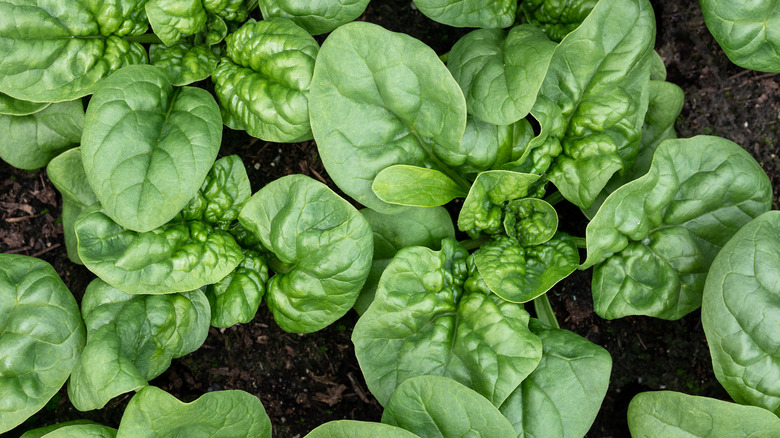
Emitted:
pixel 307 380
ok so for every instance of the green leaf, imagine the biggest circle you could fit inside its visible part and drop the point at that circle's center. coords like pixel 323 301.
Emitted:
pixel 41 336
pixel 316 16
pixel 30 142
pixel 741 315
pixel 177 257
pixel 320 249
pixel 378 99
pixel 72 429
pixel 564 393
pixel 530 221
pixel 486 146
pixel 222 195
pixel 501 72
pixel 131 339
pixel 154 413
pixel 173 20
pixel 556 18
pixel 231 10
pixel 357 429
pixel 675 415
pixel 184 63
pixel 147 147
pixel 15 107
pixel 746 32
pixel 519 273
pixel 423 323
pixel 53 52
pixel 415 186
pixel 598 77
pixel 654 239
pixel 470 13
pixel 434 406
pixel 236 298
pixel 263 81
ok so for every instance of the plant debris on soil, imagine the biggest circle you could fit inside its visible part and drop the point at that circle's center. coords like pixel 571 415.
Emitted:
pixel 306 380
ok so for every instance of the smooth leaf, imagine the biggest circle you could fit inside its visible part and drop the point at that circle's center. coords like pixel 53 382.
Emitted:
pixel 358 429
pixel 72 429
pixel 316 16
pixel 470 13
pixel 415 186
pixel 15 107
pixel 486 146
pixel 173 20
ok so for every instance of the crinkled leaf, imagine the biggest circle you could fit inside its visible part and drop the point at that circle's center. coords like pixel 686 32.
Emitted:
pixel 746 31
pixel 541 150
pixel 15 107
pixel 392 232
pixel 30 142
pixel 564 393
pixel 41 336
pixel 421 322
pixel 147 147
pixel 415 186
pixel 235 298
pixel 741 313
pixel 530 221
pixel 184 63
pixel 519 273
pixel 320 249
pixel 598 76
pixel 358 429
pixel 557 18
pixel 58 51
pixel 380 98
pixel 676 415
pixel 154 413
pixel 222 195
pixel 654 239
pixel 72 429
pixel 131 339
pixel 316 16
pixel 482 210
pixel 173 20
pixel 501 72
pixel 176 257
pixel 263 81
pixel 486 146
pixel 231 10
pixel 470 13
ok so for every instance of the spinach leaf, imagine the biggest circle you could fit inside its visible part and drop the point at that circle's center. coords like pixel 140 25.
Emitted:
pixel 320 251
pixel 153 413
pixel 184 63
pixel 470 13
pixel 414 186
pixel 486 146
pixel 653 240
pixel 131 339
pixel 174 20
pixel 236 298
pixel 72 429
pixel 15 107
pixel 148 147
pixel 380 98
pixel 741 315
pixel 316 16
pixel 355 429
pixel 41 336
pixel 557 18
pixel 675 415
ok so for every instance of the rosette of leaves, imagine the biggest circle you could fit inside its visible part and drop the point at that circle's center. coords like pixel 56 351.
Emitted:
pixel 653 240
pixel 470 13
pixel 741 316
pixel 747 32
pixel 262 83
pixel 317 17
pixel 131 339
pixel 319 248
pixel 557 18
pixel 426 319
pixel 676 415
pixel 31 140
pixel 53 52
pixel 173 20
pixel 41 339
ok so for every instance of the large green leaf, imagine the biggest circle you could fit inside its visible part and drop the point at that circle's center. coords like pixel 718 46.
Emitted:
pixel 41 336
pixel 173 20
pixel 320 247
pixel 470 13
pixel 746 31
pixel 501 72
pixel 31 141
pixel 147 147
pixel 316 16
pixel 676 415
pixel 263 81
pixel 15 107
pixel 653 239
pixel 564 393
pixel 53 51
pixel 380 98
pixel 423 322
pixel 598 77
pixel 358 429
pixel 153 413
pixel 741 313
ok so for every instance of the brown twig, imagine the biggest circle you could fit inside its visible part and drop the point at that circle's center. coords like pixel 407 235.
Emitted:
pixel 44 251
pixel 356 387
pixel 18 250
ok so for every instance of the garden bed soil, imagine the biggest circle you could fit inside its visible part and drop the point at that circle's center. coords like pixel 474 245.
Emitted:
pixel 306 380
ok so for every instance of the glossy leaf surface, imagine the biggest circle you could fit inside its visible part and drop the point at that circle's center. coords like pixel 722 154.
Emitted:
pixel 557 18
pixel 470 13
pixel 72 429
pixel 530 221
pixel 236 298
pixel 184 63
pixel 358 429
pixel 415 186
pixel 15 107
pixel 316 16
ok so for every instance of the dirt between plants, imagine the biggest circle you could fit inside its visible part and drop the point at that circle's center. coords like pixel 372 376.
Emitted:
pixel 306 380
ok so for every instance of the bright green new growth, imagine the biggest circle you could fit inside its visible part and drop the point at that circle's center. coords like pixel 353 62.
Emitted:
pixel 236 298
pixel 470 13
pixel 557 18
pixel 262 83
pixel 320 251
pixel 741 315
pixel 201 21
pixel 530 221
pixel 147 147
pixel 414 186
pixel 184 63
pixel 653 239
pixel 316 16
pixel 31 141
pixel 153 413
pixel 131 339
pixel 41 336
pixel 675 415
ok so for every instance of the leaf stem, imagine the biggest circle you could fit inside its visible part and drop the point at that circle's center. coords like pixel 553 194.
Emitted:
pixel 554 198
pixel 545 312
pixel 580 242
pixel 147 38
pixel 444 57
pixel 470 244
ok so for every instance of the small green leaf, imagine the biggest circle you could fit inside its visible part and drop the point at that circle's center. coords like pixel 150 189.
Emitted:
pixel 470 13
pixel 354 429
pixel 235 299
pixel 184 63
pixel 415 186
pixel 530 221
pixel 483 208
pixel 72 429
pixel 317 17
